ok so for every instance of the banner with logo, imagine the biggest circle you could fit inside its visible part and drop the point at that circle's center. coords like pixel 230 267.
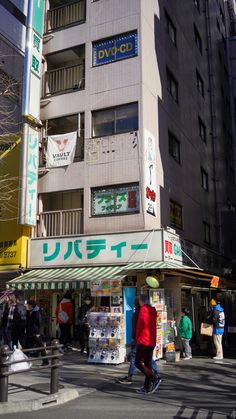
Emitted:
pixel 61 149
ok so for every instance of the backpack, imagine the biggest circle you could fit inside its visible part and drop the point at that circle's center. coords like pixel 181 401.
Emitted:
pixel 63 316
pixel 220 320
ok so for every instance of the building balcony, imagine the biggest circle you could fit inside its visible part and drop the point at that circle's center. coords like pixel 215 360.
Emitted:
pixel 60 223
pixel 60 16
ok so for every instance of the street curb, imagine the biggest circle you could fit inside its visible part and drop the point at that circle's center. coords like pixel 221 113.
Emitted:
pixel 63 396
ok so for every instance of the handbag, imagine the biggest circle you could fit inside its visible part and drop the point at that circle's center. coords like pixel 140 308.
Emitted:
pixel 206 329
pixel 63 316
pixel 18 355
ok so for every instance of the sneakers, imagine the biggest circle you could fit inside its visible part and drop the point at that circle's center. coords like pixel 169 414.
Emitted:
pixel 143 391
pixel 187 358
pixel 156 384
pixel 218 357
pixel 125 380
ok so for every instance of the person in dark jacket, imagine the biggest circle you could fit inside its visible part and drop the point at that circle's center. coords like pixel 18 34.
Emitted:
pixel 33 329
pixel 11 323
pixel 83 324
pixel 156 371
pixel 145 337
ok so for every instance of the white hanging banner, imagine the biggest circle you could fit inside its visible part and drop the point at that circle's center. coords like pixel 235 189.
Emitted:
pixel 61 149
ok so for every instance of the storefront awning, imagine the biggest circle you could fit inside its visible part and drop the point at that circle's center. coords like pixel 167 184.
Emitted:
pixel 64 278
pixel 154 265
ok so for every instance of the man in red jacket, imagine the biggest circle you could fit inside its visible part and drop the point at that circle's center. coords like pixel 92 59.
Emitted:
pixel 64 315
pixel 146 341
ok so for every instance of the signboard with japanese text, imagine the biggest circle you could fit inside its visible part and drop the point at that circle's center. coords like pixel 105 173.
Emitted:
pixel 150 174
pixel 102 249
pixel 115 200
pixel 61 149
pixel 115 49
pixel 183 252
pixel 31 177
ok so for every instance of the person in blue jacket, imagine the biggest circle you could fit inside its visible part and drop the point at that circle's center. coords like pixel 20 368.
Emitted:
pixel 217 318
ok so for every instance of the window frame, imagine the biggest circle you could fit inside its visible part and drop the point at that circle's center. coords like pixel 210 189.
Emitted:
pixel 202 129
pixel 171 29
pixel 204 180
pixel 110 188
pixel 200 84
pixel 173 141
pixel 197 39
pixel 171 81
pixel 114 108
pixel 206 232
pixel 180 207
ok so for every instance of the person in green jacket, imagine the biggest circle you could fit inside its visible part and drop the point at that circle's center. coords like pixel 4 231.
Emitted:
pixel 186 332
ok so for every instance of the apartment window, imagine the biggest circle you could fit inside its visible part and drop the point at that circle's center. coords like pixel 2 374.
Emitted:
pixel 172 86
pixel 174 146
pixel 200 83
pixel 202 129
pixel 204 177
pixel 176 219
pixel 198 39
pixel 197 4
pixel 115 200
pixel 115 120
pixel 171 29
pixel 206 232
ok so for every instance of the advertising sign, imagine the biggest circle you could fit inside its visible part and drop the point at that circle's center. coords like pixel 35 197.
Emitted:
pixel 61 149
pixel 115 49
pixel 102 249
pixel 115 200
pixel 150 175
pixel 32 153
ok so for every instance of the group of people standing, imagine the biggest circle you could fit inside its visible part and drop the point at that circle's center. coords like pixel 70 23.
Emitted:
pixel 21 324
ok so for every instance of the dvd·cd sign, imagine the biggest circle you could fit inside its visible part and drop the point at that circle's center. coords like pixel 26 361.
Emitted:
pixel 115 49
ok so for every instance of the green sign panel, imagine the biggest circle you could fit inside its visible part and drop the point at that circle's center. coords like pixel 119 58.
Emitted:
pixel 38 16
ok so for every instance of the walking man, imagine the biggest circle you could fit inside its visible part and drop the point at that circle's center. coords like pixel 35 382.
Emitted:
pixel 64 315
pixel 145 338
pixel 186 333
pixel 156 370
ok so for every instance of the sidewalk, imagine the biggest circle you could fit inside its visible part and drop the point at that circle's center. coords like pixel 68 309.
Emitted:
pixel 30 391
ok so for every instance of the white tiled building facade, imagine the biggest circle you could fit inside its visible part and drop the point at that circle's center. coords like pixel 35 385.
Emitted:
pixel 146 85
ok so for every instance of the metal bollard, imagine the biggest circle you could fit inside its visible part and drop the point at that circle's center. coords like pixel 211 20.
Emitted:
pixel 54 385
pixel 3 379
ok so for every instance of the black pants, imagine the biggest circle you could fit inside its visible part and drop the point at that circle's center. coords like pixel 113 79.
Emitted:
pixel 65 333
pixel 83 336
pixel 143 361
pixel 35 342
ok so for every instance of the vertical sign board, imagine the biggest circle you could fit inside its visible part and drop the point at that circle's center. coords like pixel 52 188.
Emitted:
pixel 31 176
pixel 31 111
pixel 150 175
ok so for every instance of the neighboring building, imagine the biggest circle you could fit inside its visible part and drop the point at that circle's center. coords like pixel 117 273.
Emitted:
pixel 13 237
pixel 145 87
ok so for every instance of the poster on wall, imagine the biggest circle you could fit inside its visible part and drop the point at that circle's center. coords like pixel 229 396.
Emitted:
pixel 61 149
pixel 150 174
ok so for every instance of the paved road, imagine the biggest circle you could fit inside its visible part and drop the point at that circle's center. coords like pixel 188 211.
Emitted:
pixel 197 389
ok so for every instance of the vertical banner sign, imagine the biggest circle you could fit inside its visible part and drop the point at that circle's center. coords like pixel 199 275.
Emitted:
pixel 150 174
pixel 31 111
pixel 31 177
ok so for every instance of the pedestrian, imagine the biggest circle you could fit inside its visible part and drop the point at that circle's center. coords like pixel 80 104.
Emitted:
pixel 156 370
pixel 33 329
pixel 145 337
pixel 186 333
pixel 21 309
pixel 217 318
pixel 11 321
pixel 83 324
pixel 64 315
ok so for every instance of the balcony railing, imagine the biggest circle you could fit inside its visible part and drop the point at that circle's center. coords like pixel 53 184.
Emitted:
pixel 64 79
pixel 60 223
pixel 68 14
